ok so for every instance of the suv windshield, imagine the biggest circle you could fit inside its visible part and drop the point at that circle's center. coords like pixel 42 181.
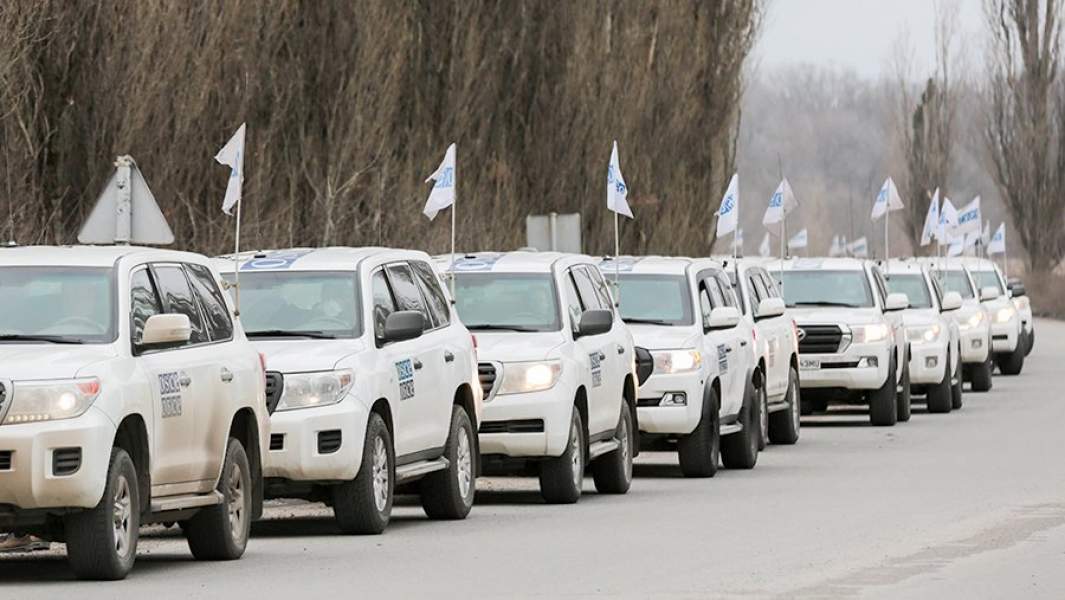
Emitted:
pixel 914 286
pixel 656 299
pixel 987 279
pixel 827 288
pixel 514 301
pixel 73 305
pixel 955 281
pixel 312 303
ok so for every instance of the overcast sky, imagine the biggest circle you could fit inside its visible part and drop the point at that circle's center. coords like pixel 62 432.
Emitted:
pixel 858 34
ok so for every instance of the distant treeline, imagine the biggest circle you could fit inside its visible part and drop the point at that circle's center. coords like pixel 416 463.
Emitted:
pixel 350 105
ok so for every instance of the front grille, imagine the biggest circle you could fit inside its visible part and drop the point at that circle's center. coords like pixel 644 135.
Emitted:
pixel 275 383
pixel 820 339
pixel 328 441
pixel 277 441
pixel 994 337
pixel 486 373
pixel 521 426
pixel 66 461
pixel 5 460
pixel 649 401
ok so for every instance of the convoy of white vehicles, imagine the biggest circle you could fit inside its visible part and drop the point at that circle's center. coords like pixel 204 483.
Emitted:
pixel 1009 337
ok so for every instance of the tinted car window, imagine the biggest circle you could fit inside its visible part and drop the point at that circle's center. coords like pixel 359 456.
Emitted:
pixel 827 288
pixel 586 289
pixel 219 325
pixel 433 293
pixel 383 303
pixel 144 302
pixel 515 301
pixel 657 299
pixel 913 285
pixel 602 289
pixel 406 292
pixel 177 298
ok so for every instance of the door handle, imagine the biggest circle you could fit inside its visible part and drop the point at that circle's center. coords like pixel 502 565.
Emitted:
pixel 417 364
pixel 621 349
pixel 227 375
pixel 728 349
pixel 602 355
pixel 743 343
pixel 449 356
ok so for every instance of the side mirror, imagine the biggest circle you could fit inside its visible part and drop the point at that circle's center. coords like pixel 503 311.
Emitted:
pixel 951 301
pixel 989 293
pixel 595 322
pixel 723 317
pixel 403 325
pixel 770 307
pixel 645 364
pixel 168 328
pixel 1016 288
pixel 896 301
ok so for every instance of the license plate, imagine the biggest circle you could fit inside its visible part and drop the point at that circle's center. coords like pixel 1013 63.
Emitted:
pixel 809 364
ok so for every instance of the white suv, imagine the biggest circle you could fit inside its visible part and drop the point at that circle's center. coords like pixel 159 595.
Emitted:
pixel 973 319
pixel 706 391
pixel 852 344
pixel 776 340
pixel 934 337
pixel 1008 335
pixel 557 368
pixel 373 378
pixel 1019 296
pixel 129 396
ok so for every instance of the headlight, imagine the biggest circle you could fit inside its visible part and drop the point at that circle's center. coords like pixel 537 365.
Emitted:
pixel 35 401
pixel 522 377
pixel 677 361
pixel 870 334
pixel 1004 314
pixel 320 388
pixel 975 319
pixel 924 333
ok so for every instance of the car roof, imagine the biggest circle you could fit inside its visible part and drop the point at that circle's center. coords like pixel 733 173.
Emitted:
pixel 518 261
pixel 944 264
pixel 903 265
pixel 334 258
pixel 825 263
pixel 659 265
pixel 89 256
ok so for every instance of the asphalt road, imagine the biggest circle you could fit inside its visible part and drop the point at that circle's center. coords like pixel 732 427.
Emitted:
pixel 965 505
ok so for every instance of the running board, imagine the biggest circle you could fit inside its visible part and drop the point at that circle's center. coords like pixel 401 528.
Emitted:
pixel 172 503
pixel 418 469
pixel 602 447
pixel 731 428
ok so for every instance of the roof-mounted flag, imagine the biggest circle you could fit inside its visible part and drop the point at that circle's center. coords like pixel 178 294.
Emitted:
pixel 727 219
pixel 931 220
pixel 616 190
pixel 887 199
pixel 443 192
pixel 232 155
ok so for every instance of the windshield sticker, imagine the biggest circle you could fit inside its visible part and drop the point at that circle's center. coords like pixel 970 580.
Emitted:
pixel 170 385
pixel 597 369
pixel 405 372
pixel 274 260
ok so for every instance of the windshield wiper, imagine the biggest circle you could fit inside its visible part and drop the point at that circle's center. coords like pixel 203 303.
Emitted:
pixel 53 339
pixel 488 327
pixel 317 335
pixel 825 303
pixel 646 321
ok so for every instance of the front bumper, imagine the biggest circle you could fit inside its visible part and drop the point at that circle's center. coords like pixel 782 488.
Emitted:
pixel 30 483
pixel 928 361
pixel 672 418
pixel 975 344
pixel 534 424
pixel 843 371
pixel 299 458
pixel 1004 336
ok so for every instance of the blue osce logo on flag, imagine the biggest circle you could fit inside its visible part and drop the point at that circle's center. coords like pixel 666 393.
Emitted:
pixel 777 200
pixel 727 204
pixel 446 179
pixel 967 216
pixel 612 180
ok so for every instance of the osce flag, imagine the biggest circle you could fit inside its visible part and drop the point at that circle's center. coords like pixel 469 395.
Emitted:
pixel 998 241
pixel 781 203
pixel 232 156
pixel 948 220
pixel 616 190
pixel 887 199
pixel 969 219
pixel 727 215
pixel 799 240
pixel 859 247
pixel 931 220
pixel 443 194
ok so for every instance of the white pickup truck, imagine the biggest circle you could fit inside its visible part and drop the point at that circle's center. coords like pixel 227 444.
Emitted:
pixel 128 395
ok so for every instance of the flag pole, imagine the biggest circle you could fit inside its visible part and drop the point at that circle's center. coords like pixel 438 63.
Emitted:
pixel 617 262
pixel 887 217
pixel 236 261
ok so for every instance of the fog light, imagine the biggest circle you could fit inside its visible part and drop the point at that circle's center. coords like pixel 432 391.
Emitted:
pixel 674 399
pixel 977 343
pixel 930 362
pixel 868 361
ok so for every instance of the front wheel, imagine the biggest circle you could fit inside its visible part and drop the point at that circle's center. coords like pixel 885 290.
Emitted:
pixel 883 404
pixel 980 376
pixel 561 478
pixel 1012 363
pixel 221 532
pixel 740 450
pixel 700 451
pixel 612 472
pixel 364 504
pixel 784 424
pixel 904 396
pixel 448 494
pixel 102 541
pixel 956 389
pixel 939 396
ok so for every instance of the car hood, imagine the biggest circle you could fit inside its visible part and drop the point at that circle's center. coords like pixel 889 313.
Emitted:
pixel 834 314
pixel 659 337
pixel 294 356
pixel 50 361
pixel 506 346
pixel 920 316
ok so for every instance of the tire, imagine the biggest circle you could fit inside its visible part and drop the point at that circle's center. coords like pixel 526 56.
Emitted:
pixel 740 450
pixel 699 452
pixel 221 532
pixel 763 415
pixel 448 494
pixel 784 424
pixel 562 478
pixel 883 404
pixel 612 472
pixel 904 398
pixel 1031 342
pixel 99 546
pixel 956 389
pixel 939 398
pixel 364 504
pixel 1013 362
pixel 980 375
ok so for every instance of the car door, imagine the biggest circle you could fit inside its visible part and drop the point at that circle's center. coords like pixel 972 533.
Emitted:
pixel 723 347
pixel 777 331
pixel 619 349
pixel 604 395
pixel 894 318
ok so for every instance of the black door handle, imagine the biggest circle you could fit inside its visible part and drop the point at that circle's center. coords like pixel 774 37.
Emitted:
pixel 743 343
pixel 602 356
pixel 449 356
pixel 417 364
pixel 621 349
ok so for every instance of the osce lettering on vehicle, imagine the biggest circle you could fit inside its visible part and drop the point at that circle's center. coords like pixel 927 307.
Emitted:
pixel 170 393
pixel 722 358
pixel 275 260
pixel 405 372
pixel 597 369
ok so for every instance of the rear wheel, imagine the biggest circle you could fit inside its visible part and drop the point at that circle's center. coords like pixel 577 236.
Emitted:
pixel 561 478
pixel 883 404
pixel 700 451
pixel 740 450
pixel 784 424
pixel 612 472
pixel 448 494
pixel 221 532
pixel 903 397
pixel 364 504
pixel 102 541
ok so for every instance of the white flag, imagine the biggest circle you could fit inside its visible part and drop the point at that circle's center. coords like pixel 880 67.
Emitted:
pixel 443 192
pixel 957 246
pixel 836 248
pixel 764 248
pixel 887 199
pixel 948 220
pixel 616 190
pixel 972 239
pixel 232 155
pixel 969 219
pixel 997 245
pixel 859 248
pixel 727 219
pixel 931 220
pixel 799 240
pixel 781 203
